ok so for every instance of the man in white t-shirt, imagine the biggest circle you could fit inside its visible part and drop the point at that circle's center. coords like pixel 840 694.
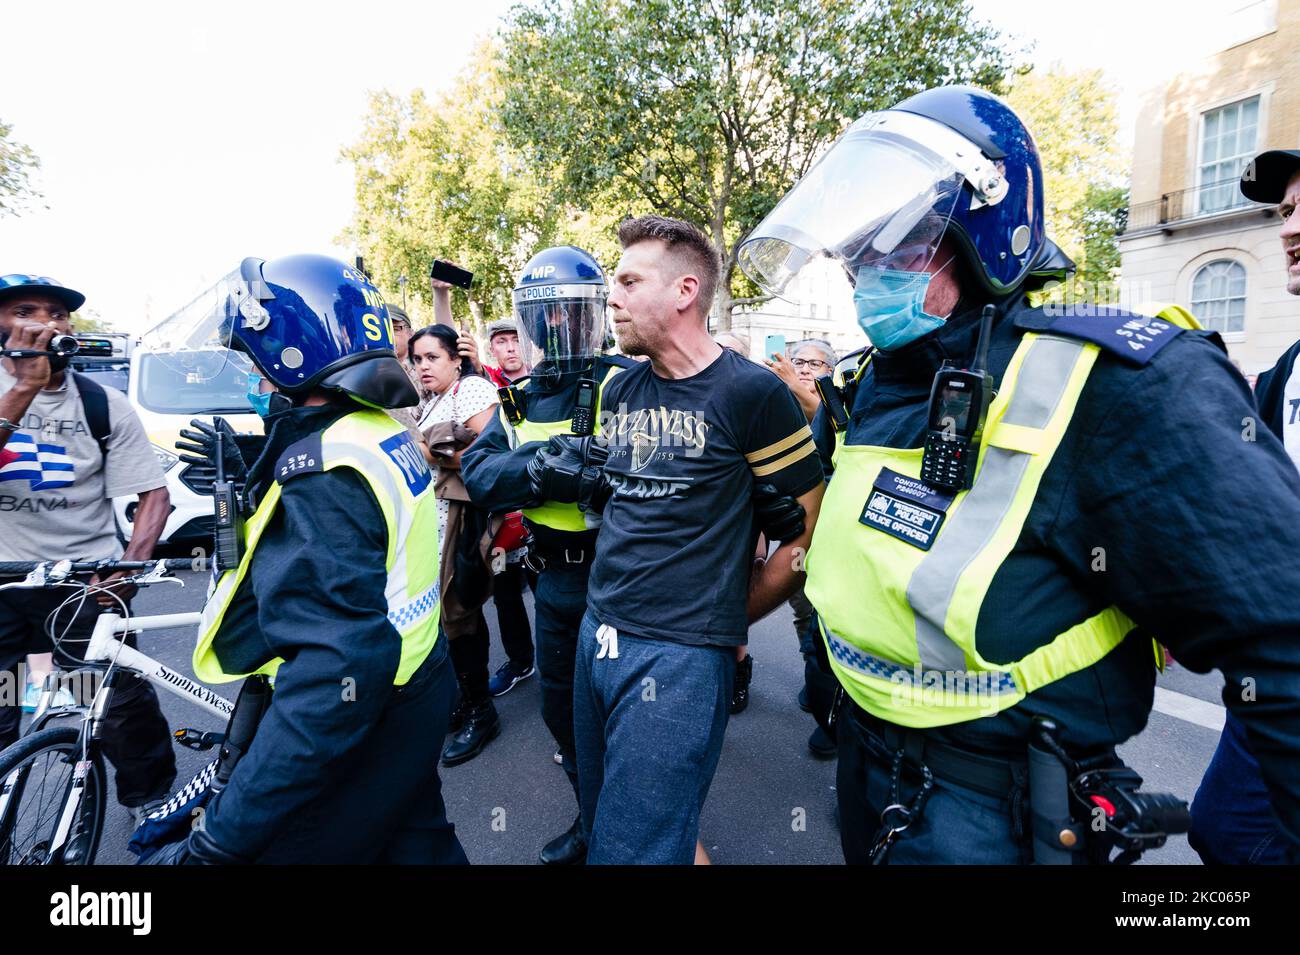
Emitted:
pixel 57 483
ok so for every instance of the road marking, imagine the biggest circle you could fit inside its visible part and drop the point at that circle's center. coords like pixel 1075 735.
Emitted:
pixel 1189 708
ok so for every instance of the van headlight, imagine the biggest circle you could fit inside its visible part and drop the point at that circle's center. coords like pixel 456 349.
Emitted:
pixel 166 459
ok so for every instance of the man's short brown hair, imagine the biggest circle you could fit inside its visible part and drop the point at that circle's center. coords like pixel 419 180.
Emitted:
pixel 686 242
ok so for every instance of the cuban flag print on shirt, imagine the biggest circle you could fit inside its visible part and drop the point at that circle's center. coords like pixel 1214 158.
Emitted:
pixel 44 466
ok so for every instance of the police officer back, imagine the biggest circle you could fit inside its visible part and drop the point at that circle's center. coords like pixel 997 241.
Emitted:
pixel 335 596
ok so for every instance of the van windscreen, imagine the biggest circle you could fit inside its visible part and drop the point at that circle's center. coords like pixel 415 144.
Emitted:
pixel 167 389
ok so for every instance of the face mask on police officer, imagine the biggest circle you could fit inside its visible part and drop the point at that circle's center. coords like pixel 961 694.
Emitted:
pixel 891 305
pixel 265 403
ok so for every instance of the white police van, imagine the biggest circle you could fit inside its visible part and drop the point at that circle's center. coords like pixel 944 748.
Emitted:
pixel 166 399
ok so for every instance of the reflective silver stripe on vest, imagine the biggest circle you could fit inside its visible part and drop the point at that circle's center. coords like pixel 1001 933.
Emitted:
pixel 1040 386
pixel 415 609
pixel 973 683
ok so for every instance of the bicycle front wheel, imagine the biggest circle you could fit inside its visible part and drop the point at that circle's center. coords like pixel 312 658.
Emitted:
pixel 45 787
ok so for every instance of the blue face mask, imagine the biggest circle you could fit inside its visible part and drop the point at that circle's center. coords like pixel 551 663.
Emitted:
pixel 261 402
pixel 889 306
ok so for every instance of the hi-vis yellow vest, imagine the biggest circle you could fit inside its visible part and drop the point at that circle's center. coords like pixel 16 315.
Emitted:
pixel 899 621
pixel 382 452
pixel 560 517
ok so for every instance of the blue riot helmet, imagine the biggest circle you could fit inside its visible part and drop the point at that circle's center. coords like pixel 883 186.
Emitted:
pixel 950 161
pixel 305 321
pixel 559 304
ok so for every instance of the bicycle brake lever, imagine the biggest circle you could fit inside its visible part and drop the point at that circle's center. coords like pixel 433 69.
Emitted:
pixel 159 574
pixel 47 572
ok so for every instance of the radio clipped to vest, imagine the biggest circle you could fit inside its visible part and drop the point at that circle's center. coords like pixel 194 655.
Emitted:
pixel 959 407
pixel 584 408
pixel 228 522
pixel 514 403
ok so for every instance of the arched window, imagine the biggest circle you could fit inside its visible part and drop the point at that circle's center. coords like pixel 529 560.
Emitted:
pixel 1219 296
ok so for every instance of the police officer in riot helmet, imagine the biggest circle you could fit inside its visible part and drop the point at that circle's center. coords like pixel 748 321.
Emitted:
pixel 541 445
pixel 559 307
pixel 335 593
pixel 1022 503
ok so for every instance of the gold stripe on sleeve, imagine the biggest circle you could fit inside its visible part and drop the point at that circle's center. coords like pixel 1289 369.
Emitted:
pixel 786 442
pixel 780 464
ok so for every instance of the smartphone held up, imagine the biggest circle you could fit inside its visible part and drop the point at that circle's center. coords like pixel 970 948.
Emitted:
pixel 451 274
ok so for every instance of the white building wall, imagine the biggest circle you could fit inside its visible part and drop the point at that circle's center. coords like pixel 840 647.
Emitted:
pixel 1161 266
pixel 818 304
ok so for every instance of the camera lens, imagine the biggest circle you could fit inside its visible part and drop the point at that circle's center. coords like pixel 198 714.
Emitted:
pixel 64 345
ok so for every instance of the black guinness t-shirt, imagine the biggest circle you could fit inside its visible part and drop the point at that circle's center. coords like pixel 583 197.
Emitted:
pixel 677 542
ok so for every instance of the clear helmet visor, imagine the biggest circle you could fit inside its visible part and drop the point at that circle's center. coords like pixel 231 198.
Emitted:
pixel 882 196
pixel 561 327
pixel 195 341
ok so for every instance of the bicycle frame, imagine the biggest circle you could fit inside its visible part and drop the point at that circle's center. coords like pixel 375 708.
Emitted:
pixel 105 645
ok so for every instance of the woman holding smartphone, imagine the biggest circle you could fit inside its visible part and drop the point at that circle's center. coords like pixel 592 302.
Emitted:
pixel 458 406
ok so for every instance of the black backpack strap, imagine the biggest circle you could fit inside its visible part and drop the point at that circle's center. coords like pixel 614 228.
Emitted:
pixel 95 402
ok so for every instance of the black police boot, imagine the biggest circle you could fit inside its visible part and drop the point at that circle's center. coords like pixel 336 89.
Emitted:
pixel 458 714
pixel 569 848
pixel 821 744
pixel 481 727
pixel 740 692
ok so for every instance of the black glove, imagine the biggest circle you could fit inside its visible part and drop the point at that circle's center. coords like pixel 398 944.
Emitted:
pixel 200 447
pixel 596 489
pixel 174 853
pixel 569 470
pixel 779 516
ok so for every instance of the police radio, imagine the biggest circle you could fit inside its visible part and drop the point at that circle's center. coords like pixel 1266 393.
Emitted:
pixel 838 399
pixel 584 408
pixel 228 523
pixel 959 405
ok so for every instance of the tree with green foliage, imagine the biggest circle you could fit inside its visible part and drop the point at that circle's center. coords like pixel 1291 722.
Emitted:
pixel 87 321
pixel 711 111
pixel 1073 119
pixel 17 163
pixel 435 178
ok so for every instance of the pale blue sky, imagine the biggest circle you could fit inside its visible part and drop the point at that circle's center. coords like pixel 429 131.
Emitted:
pixel 176 139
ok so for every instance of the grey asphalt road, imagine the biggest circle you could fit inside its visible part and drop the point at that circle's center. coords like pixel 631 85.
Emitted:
pixel 771 801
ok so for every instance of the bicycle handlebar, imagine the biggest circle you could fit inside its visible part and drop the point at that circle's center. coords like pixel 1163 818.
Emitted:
pixel 19 568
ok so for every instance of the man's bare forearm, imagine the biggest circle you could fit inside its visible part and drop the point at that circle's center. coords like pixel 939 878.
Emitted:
pixel 442 307
pixel 13 405
pixel 783 572
pixel 150 518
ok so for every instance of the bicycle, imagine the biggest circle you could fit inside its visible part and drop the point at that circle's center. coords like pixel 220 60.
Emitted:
pixel 60 823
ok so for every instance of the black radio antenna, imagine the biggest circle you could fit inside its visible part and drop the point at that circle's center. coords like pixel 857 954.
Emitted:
pixel 982 343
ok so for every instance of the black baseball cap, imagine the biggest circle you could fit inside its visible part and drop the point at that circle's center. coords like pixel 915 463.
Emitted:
pixel 1265 179
pixel 11 284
